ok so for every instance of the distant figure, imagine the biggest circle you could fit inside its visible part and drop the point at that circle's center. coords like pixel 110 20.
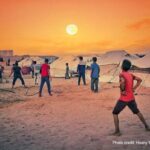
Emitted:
pixel 32 69
pixel 81 70
pixel 36 72
pixel 8 62
pixel 1 73
pixel 16 70
pixel 95 71
pixel 127 98
pixel 45 77
pixel 67 72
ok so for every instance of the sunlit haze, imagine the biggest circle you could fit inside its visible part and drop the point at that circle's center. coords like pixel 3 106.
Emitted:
pixel 39 26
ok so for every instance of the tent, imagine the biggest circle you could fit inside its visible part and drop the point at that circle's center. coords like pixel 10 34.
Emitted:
pixel 28 61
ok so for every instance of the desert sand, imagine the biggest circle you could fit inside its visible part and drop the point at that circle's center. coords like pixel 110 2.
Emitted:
pixel 73 118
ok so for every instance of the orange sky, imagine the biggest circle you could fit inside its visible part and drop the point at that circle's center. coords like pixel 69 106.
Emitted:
pixel 38 26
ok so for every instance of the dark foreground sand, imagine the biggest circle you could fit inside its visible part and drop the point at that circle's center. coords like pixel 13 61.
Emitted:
pixel 74 118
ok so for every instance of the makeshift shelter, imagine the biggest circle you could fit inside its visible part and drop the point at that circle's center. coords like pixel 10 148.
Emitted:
pixel 28 61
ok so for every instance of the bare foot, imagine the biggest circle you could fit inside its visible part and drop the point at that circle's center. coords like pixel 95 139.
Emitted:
pixel 118 133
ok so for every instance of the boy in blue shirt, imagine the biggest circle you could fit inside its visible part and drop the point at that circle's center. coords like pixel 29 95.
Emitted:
pixel 81 70
pixel 95 71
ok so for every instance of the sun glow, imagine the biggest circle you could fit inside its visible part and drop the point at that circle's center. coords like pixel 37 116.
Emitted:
pixel 72 29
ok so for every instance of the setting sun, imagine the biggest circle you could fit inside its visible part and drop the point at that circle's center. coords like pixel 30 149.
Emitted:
pixel 72 29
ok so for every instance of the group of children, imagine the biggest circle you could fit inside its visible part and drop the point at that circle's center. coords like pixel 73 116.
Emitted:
pixel 127 86
pixel 81 71
pixel 43 69
pixel 127 89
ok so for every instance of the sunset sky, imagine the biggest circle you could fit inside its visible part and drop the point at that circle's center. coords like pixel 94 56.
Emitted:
pixel 39 26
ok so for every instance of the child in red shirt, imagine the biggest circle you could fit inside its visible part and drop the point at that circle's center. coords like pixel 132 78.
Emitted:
pixel 45 77
pixel 127 98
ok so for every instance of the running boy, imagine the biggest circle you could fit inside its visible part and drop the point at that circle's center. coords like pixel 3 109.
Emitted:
pixel 127 98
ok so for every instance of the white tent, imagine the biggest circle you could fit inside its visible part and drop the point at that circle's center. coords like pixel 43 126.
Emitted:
pixel 115 57
pixel 28 61
pixel 109 58
pixel 62 60
pixel 58 67
pixel 143 62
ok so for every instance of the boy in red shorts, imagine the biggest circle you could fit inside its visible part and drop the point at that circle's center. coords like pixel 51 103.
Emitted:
pixel 127 89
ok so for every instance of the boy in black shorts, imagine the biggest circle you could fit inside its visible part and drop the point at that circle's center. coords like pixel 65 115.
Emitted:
pixel 16 70
pixel 127 89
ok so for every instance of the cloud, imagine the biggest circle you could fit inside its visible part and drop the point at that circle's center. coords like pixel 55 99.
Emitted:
pixel 139 45
pixel 145 23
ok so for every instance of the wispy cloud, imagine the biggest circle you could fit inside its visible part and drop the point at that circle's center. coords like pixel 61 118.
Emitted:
pixel 145 23
pixel 139 45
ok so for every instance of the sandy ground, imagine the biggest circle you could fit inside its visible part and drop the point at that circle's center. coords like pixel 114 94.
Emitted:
pixel 74 118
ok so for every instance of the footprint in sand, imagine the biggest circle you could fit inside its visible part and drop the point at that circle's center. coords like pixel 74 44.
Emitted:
pixel 37 125
pixel 8 141
pixel 101 127
pixel 12 125
pixel 94 139
pixel 108 108
pixel 23 135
